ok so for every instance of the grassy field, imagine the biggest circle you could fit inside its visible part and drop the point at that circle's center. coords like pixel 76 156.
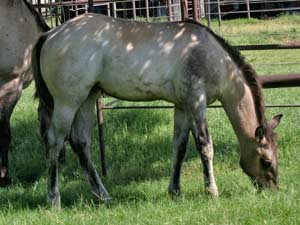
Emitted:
pixel 139 153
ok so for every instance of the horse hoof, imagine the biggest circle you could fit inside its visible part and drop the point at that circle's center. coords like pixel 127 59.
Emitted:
pixel 212 191
pixel 107 201
pixel 54 202
pixel 174 191
pixel 5 181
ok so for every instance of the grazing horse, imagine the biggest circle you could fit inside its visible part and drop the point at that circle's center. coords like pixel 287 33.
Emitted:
pixel 183 63
pixel 20 27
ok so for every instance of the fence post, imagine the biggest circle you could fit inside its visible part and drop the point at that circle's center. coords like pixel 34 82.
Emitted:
pixel 248 8
pixel 219 13
pixel 184 10
pixel 91 6
pixel 134 9
pixel 108 9
pixel 39 8
pixel 147 10
pixel 195 10
pixel 101 136
pixel 56 15
pixel 170 10
pixel 208 14
pixel 114 9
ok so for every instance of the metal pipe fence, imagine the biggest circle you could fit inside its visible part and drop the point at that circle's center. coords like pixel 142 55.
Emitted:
pixel 145 10
pixel 59 11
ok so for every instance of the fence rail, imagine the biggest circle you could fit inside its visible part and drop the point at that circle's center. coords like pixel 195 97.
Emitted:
pixel 268 47
pixel 171 9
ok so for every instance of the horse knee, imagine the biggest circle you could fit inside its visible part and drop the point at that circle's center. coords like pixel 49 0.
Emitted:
pixel 207 151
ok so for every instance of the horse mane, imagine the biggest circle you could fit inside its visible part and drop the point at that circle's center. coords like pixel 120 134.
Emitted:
pixel 37 16
pixel 248 72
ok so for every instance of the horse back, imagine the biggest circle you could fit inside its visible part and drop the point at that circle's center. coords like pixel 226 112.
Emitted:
pixel 135 60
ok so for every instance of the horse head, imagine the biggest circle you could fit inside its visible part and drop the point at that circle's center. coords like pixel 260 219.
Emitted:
pixel 261 165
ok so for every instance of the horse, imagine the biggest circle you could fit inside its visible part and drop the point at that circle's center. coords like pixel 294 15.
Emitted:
pixel 20 27
pixel 184 63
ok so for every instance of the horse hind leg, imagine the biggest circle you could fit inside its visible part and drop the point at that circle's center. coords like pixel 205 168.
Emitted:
pixel 59 128
pixel 80 140
pixel 181 137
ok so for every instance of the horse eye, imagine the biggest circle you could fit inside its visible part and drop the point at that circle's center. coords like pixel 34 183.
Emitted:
pixel 266 164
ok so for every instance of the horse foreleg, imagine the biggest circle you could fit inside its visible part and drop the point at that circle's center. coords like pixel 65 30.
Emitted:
pixel 80 140
pixel 9 95
pixel 181 137
pixel 5 139
pixel 205 147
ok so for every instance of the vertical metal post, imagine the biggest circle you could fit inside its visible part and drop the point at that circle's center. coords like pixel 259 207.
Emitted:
pixel 202 9
pixel 170 10
pixel 195 10
pixel 91 6
pixel 39 8
pixel 114 9
pixel 76 9
pixel 147 10
pixel 248 9
pixel 108 9
pixel 101 136
pixel 184 12
pixel 219 13
pixel 56 15
pixel 134 9
pixel 208 14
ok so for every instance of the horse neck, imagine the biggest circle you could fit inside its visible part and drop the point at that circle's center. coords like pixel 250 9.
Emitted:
pixel 238 103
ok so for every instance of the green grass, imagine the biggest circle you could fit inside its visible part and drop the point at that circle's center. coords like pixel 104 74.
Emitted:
pixel 139 153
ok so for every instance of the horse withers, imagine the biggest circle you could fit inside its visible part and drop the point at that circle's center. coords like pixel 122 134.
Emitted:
pixel 20 27
pixel 183 63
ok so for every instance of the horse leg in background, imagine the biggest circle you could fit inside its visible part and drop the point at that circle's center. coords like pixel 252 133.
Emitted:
pixel 59 128
pixel 9 95
pixel 181 137
pixel 80 141
pixel 205 147
pixel 101 135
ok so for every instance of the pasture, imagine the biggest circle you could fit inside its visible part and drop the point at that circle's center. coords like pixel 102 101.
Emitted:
pixel 139 155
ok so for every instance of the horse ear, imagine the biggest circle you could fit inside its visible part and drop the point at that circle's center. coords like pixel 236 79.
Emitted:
pixel 275 121
pixel 259 134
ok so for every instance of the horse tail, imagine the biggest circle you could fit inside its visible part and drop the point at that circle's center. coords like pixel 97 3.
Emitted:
pixel 46 103
pixel 42 91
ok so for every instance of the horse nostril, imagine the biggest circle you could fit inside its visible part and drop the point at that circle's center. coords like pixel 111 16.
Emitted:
pixel 266 164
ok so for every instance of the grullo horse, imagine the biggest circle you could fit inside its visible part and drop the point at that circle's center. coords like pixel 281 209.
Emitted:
pixel 183 63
